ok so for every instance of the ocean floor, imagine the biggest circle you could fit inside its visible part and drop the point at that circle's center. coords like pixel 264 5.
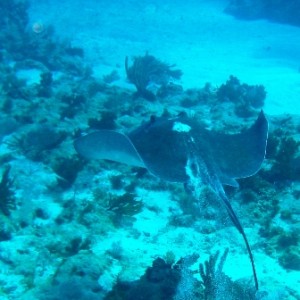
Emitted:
pixel 79 229
pixel 206 44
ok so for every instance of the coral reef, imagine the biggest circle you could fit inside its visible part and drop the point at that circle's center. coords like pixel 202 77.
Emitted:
pixel 246 97
pixel 147 69
pixel 217 285
pixel 286 159
pixel 290 259
pixel 177 281
pixel 76 278
pixel 20 43
pixel 188 286
pixel 67 169
pixel 159 282
pixel 122 207
pixel 34 142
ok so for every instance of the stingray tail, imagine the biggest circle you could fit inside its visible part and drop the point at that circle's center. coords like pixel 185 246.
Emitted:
pixel 239 227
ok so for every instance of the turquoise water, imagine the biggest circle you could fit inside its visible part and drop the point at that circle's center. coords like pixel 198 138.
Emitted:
pixel 125 129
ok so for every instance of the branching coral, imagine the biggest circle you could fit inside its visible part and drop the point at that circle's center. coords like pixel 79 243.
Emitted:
pixel 187 286
pixel 217 285
pixel 213 279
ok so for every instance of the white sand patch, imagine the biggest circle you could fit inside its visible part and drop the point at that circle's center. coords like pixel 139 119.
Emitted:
pixel 155 216
pixel 31 76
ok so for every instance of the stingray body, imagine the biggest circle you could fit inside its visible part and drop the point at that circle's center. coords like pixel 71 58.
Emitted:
pixel 181 150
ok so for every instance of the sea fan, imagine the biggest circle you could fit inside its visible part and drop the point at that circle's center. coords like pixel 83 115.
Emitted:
pixel 147 69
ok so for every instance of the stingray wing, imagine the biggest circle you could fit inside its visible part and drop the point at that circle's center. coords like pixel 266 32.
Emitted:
pixel 108 144
pixel 241 155
pixel 154 146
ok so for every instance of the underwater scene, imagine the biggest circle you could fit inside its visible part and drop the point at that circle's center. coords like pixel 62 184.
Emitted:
pixel 150 150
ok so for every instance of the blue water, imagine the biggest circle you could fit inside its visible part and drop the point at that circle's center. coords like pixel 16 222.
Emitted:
pixel 102 222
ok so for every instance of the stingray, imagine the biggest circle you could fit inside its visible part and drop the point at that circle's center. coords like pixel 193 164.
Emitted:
pixel 180 149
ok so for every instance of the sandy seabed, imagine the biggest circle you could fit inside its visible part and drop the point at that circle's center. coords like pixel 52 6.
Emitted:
pixel 204 42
